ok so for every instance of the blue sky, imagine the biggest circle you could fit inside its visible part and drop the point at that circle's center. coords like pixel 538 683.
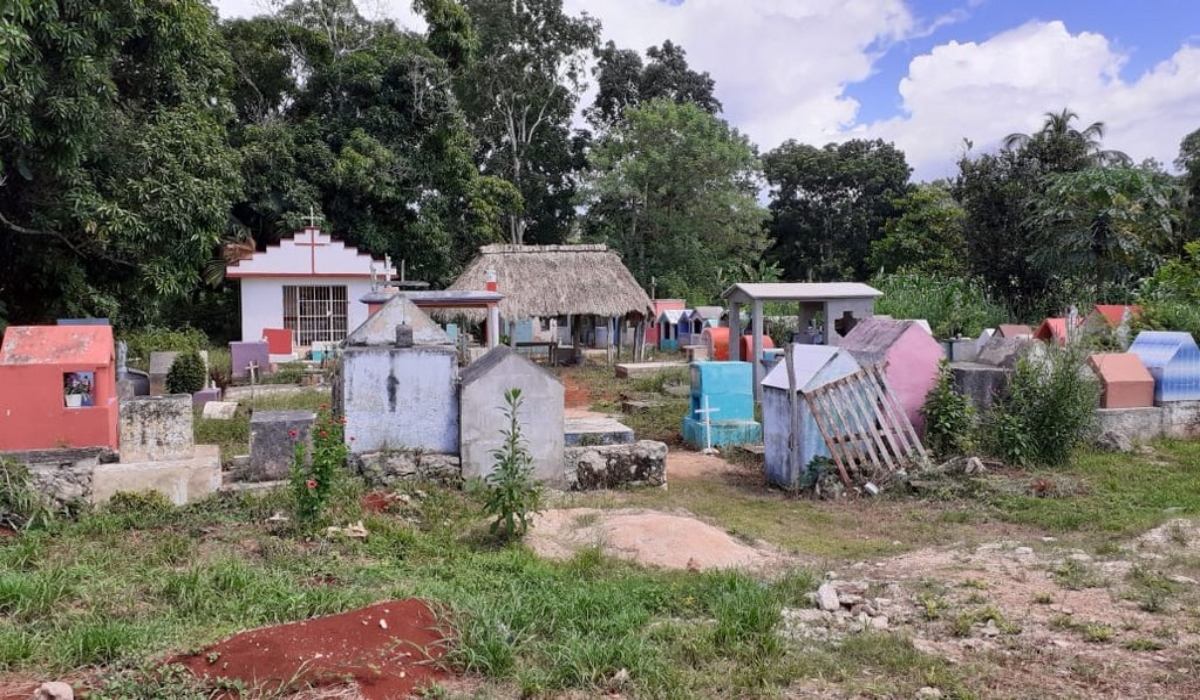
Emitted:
pixel 1146 31
pixel 923 74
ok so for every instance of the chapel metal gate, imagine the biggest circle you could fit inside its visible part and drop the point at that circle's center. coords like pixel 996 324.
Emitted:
pixel 865 426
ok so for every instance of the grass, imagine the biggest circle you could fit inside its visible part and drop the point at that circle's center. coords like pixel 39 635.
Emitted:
pixel 127 585
pixel 1122 498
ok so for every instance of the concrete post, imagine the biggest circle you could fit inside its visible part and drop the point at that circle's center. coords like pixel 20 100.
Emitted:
pixel 756 324
pixel 735 331
pixel 493 326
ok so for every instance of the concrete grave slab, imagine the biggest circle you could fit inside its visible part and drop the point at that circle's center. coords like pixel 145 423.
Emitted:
pixel 595 431
pixel 181 481
pixel 1125 381
pixel 272 447
pixel 641 369
pixel 202 397
pixel 220 410
pixel 245 354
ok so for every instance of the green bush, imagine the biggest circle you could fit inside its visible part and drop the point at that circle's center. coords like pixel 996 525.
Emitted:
pixel 1048 410
pixel 949 417
pixel 143 342
pixel 316 472
pixel 187 374
pixel 512 494
pixel 952 305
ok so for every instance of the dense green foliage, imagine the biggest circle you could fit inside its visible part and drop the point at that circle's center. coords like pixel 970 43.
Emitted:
pixel 952 305
pixel 672 188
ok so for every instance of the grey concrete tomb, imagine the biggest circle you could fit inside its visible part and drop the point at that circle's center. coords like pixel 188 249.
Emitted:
pixel 272 445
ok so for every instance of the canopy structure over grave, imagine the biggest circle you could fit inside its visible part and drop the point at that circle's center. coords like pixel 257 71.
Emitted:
pixel 841 306
pixel 308 284
pixel 1173 360
pixel 654 332
pixel 555 280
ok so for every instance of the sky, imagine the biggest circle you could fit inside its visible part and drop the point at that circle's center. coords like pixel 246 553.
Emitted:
pixel 931 76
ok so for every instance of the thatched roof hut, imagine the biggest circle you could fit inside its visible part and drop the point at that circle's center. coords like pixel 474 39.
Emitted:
pixel 556 280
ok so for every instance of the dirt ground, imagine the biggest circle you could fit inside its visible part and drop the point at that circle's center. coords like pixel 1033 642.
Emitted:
pixel 1063 623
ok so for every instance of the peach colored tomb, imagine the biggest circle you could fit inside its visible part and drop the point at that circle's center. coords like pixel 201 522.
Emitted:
pixel 1125 380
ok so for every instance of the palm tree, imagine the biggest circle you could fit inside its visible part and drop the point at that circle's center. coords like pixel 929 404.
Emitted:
pixel 1068 147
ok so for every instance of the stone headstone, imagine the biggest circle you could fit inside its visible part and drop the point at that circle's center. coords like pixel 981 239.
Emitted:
pixel 156 429
pixel 220 410
pixel 245 354
pixel 160 366
pixel 202 397
pixel 273 438
pixel 1001 352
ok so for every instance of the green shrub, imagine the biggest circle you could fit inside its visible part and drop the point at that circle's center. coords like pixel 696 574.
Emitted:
pixel 949 417
pixel 1048 410
pixel 952 305
pixel 512 494
pixel 143 342
pixel 187 374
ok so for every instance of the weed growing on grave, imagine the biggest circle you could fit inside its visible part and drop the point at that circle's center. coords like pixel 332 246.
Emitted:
pixel 949 417
pixel 170 682
pixel 21 506
pixel 1049 410
pixel 512 494
pixel 315 472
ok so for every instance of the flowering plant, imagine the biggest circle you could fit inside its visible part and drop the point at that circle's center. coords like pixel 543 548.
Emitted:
pixel 77 385
pixel 317 466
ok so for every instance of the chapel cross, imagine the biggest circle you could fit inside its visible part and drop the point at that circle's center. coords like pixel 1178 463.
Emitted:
pixel 311 218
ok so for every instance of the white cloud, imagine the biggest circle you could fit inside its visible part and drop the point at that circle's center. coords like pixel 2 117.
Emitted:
pixel 779 65
pixel 987 90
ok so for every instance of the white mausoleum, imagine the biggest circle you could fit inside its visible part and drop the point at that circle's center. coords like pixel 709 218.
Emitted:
pixel 309 284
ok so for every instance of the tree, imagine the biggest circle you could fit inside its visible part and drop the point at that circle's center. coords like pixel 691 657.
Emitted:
pixel 1189 163
pixel 926 236
pixel 1008 243
pixel 116 174
pixel 1104 228
pixel 623 81
pixel 674 190
pixel 520 94
pixel 1061 147
pixel 828 205
pixel 372 137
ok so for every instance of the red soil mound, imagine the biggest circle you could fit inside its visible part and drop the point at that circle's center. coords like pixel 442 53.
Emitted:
pixel 576 394
pixel 387 649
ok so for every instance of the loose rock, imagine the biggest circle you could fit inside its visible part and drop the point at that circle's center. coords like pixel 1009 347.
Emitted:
pixel 827 598
pixel 54 690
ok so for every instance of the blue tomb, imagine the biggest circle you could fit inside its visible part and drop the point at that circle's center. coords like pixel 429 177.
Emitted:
pixel 728 388
pixel 1173 359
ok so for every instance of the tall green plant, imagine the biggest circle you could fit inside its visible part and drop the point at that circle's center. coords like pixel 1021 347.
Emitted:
pixel 513 496
pixel 1048 411
pixel 949 416
pixel 317 467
